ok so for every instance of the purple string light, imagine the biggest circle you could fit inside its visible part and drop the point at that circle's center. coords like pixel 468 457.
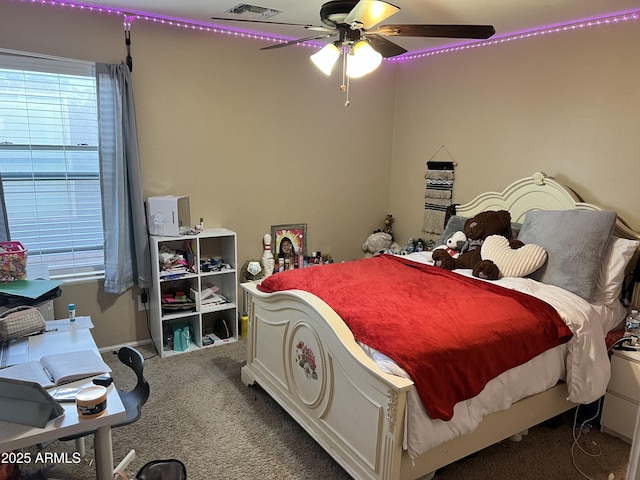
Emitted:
pixel 130 15
pixel 524 34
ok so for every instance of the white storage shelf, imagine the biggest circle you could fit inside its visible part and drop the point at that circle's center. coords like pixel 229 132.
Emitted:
pixel 210 245
pixel 623 395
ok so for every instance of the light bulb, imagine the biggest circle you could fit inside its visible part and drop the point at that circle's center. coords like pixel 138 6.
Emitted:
pixel 363 60
pixel 326 58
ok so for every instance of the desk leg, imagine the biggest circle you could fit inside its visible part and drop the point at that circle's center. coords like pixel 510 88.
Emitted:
pixel 80 446
pixel 104 453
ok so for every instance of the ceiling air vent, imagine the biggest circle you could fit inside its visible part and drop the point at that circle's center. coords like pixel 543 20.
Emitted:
pixel 252 11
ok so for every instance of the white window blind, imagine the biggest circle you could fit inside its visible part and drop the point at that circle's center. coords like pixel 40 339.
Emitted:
pixel 49 163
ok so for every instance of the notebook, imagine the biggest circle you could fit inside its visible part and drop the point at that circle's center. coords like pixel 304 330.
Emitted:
pixel 59 368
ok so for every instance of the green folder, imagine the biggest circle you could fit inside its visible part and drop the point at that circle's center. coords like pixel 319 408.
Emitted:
pixel 29 288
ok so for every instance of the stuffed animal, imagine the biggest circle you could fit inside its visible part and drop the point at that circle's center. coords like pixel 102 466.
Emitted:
pixel 455 244
pixel 513 262
pixel 379 242
pixel 477 229
pixel 388 223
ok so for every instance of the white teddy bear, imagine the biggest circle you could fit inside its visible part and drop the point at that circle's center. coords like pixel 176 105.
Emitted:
pixel 455 244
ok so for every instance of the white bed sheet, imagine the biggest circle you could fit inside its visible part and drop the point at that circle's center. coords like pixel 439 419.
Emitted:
pixel 583 363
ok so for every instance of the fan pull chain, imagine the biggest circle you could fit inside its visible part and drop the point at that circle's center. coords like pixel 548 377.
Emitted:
pixel 345 80
pixel 346 102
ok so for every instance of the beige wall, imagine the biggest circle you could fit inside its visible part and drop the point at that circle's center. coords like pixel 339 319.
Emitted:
pixel 566 104
pixel 255 138
pixel 260 138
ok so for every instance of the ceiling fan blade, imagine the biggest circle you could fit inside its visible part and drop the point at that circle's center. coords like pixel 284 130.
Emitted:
pixel 307 26
pixel 296 42
pixel 450 31
pixel 384 47
pixel 368 13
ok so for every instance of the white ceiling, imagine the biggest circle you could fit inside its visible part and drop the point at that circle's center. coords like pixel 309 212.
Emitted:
pixel 507 16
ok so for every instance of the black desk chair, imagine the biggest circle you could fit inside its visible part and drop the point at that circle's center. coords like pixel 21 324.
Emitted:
pixel 133 400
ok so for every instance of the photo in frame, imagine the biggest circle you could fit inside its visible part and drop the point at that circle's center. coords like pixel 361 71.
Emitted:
pixel 288 239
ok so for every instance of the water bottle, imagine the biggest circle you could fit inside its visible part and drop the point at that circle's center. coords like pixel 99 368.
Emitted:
pixel 410 246
pixel 632 327
pixel 244 325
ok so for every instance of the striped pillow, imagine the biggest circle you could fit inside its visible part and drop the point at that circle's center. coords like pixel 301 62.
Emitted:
pixel 513 262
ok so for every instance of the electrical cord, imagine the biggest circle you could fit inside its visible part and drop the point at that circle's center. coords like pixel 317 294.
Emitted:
pixel 577 433
pixel 145 302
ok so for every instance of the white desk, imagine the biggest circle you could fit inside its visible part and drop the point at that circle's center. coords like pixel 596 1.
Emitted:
pixel 14 436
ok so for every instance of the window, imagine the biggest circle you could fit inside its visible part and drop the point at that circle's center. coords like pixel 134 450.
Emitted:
pixel 49 163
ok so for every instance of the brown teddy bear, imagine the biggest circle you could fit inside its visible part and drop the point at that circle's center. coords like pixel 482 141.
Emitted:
pixel 477 229
pixel 388 224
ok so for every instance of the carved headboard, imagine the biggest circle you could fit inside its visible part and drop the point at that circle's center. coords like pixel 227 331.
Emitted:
pixel 541 192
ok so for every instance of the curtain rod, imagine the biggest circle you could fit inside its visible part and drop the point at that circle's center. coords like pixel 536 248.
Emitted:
pixel 43 56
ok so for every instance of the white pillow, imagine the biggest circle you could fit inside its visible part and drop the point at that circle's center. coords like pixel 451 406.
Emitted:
pixel 518 262
pixel 617 254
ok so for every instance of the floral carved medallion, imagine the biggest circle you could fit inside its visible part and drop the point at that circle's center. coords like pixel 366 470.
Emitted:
pixel 306 360
pixel 307 369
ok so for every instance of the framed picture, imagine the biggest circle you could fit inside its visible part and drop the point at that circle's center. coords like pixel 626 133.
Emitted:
pixel 288 239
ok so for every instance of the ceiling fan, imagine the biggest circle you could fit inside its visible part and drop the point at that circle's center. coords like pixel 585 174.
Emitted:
pixel 362 43
pixel 352 21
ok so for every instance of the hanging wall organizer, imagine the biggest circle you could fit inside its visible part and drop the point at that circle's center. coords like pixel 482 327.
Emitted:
pixel 439 193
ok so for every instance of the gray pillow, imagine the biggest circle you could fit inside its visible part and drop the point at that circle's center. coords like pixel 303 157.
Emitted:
pixel 575 241
pixel 515 229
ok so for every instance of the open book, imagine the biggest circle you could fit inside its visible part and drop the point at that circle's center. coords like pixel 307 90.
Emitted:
pixel 58 368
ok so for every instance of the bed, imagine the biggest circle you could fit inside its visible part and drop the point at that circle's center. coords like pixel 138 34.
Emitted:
pixel 363 409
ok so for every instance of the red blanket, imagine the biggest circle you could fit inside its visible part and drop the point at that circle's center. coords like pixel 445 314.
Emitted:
pixel 452 334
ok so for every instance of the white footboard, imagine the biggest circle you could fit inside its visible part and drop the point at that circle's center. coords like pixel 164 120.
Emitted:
pixel 305 357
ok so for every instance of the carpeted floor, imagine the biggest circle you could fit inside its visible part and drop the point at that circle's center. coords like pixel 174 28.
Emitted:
pixel 200 413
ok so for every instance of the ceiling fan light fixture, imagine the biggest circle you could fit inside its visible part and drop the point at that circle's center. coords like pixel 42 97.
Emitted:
pixel 326 58
pixel 362 59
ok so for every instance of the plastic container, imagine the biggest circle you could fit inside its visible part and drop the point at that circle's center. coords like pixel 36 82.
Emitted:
pixel 410 247
pixel 244 325
pixel 632 326
pixel 91 401
pixel 72 314
pixel 13 261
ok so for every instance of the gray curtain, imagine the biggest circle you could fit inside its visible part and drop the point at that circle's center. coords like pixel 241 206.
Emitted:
pixel 5 236
pixel 126 246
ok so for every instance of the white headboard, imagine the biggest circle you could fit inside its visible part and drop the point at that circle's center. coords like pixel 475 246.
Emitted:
pixel 537 192
pixel 540 192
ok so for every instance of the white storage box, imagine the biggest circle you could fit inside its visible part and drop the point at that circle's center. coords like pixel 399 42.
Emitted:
pixel 168 215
